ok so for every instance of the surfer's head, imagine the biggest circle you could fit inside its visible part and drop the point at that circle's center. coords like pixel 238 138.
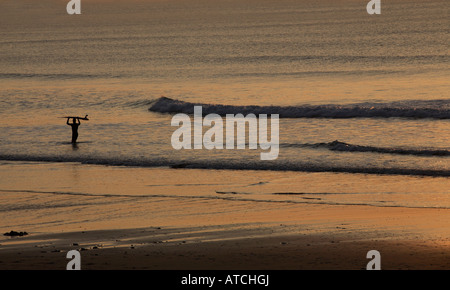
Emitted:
pixel 74 120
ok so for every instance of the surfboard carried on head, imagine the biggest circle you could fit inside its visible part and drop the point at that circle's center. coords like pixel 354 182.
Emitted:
pixel 76 117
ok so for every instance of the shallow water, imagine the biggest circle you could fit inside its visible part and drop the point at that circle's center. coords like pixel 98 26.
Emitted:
pixel 65 197
pixel 325 67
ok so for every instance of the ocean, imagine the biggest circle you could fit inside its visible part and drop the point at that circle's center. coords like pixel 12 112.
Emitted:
pixel 363 99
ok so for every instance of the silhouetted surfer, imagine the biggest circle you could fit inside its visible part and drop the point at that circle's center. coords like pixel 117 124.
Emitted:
pixel 75 123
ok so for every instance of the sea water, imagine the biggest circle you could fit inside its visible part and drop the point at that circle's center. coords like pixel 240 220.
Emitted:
pixel 363 99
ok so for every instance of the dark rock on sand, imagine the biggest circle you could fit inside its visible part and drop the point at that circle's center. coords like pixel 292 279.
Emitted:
pixel 15 234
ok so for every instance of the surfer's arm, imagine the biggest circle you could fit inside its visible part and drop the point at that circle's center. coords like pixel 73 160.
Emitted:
pixel 67 121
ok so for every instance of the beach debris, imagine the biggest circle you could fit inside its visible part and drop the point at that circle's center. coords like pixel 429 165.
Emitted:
pixel 98 246
pixel 15 234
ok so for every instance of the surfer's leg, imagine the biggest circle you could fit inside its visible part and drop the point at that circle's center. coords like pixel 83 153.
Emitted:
pixel 74 137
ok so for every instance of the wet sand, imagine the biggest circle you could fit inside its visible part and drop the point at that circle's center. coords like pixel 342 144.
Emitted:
pixel 116 223
pixel 335 238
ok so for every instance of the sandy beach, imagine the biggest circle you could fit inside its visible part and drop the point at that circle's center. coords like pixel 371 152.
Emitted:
pixel 320 245
pixel 355 104
pixel 199 234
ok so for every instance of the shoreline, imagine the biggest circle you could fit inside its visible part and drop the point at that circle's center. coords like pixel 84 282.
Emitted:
pixel 173 219
pixel 340 245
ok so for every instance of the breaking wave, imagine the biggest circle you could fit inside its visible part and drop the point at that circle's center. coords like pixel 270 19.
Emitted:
pixel 240 164
pixel 434 109
pixel 346 147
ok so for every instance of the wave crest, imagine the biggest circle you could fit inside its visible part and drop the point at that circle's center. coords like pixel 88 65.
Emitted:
pixel 435 109
pixel 231 165
pixel 346 147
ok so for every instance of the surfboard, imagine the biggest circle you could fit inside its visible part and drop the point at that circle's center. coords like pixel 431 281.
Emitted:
pixel 76 117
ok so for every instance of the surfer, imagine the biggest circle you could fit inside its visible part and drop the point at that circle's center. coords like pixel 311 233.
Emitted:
pixel 75 123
